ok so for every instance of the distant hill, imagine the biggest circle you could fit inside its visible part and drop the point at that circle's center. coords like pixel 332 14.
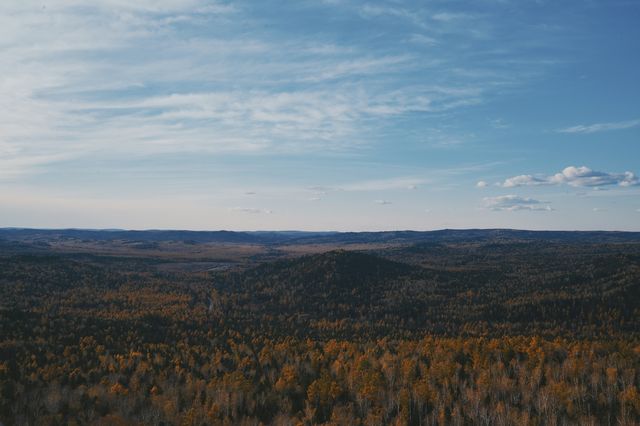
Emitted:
pixel 301 237
pixel 124 235
pixel 466 235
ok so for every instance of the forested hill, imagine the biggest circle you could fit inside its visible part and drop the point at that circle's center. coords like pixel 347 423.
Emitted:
pixel 334 269
pixel 335 294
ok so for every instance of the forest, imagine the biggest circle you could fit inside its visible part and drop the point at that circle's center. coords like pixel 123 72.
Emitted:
pixel 445 329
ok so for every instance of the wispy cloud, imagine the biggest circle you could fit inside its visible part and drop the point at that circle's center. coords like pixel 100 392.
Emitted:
pixel 515 203
pixel 251 210
pixel 423 39
pixel 13 166
pixel 150 77
pixel 384 184
pixel 372 11
pixel 526 180
pixel 448 16
pixel 62 105
pixel 499 123
pixel 601 127
pixel 575 176
pixel 383 202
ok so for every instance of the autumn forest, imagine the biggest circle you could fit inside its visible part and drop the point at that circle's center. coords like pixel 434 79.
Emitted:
pixel 443 328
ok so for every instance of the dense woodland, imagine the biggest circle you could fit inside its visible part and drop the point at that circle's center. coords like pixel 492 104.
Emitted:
pixel 493 331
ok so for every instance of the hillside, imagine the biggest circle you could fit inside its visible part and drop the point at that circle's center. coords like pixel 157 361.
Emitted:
pixel 510 289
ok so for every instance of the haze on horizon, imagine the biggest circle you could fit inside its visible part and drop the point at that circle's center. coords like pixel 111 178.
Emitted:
pixel 320 115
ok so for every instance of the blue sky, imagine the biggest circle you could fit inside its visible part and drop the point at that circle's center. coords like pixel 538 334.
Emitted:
pixel 320 115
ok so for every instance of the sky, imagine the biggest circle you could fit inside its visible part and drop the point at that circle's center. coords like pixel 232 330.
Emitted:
pixel 339 115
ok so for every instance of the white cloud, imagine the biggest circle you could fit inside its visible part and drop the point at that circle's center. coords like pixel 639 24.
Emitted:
pixel 481 184
pixel 584 176
pixel 515 203
pixel 599 209
pixel 383 202
pixel 577 177
pixel 601 127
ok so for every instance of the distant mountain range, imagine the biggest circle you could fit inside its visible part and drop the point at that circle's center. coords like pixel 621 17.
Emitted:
pixel 302 237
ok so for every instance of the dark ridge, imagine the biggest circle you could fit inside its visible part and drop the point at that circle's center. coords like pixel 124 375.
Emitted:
pixel 346 286
pixel 339 267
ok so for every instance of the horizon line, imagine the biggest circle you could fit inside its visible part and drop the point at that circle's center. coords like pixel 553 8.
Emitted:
pixel 23 228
